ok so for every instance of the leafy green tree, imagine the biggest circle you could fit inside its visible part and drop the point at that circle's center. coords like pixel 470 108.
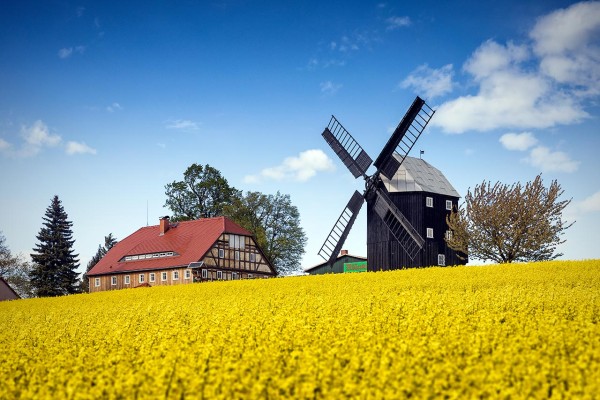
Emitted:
pixel 275 222
pixel 14 270
pixel 55 266
pixel 505 223
pixel 202 193
pixel 109 242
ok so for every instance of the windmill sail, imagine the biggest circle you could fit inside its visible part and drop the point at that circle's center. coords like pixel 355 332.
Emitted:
pixel 348 150
pixel 406 234
pixel 334 242
pixel 404 137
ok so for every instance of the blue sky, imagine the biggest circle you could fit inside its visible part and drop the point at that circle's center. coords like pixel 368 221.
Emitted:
pixel 104 103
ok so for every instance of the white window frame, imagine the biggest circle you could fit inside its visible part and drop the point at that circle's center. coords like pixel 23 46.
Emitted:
pixel 141 278
pixel 249 276
pixel 113 281
pixel 127 280
pixel 163 276
pixel 449 205
pixel 175 275
pixel 96 282
pixel 221 253
pixel 429 233
pixel 204 273
pixel 441 259
pixel 187 274
pixel 252 257
pixel 429 201
pixel 448 234
pixel 219 274
pixel 152 277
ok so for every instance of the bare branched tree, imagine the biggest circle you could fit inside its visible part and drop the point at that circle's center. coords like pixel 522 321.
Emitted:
pixel 505 223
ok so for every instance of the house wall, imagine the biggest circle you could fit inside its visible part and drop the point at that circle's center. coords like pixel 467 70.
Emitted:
pixel 134 279
pixel 385 253
pixel 241 262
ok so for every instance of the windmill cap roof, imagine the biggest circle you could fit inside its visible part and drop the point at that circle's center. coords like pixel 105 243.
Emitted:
pixel 417 175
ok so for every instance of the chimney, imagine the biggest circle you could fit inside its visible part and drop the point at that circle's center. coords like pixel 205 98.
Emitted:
pixel 344 253
pixel 164 225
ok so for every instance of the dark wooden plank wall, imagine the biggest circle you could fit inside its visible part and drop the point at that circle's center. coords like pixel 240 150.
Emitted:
pixel 385 253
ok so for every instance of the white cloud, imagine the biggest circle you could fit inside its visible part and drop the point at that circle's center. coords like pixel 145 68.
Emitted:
pixel 431 82
pixel 330 87
pixel 299 168
pixel 4 145
pixel 510 96
pixel 567 42
pixel 182 124
pixel 67 52
pixel 79 148
pixel 38 135
pixel 114 107
pixel 539 84
pixel 591 203
pixel 394 23
pixel 551 161
pixel 518 141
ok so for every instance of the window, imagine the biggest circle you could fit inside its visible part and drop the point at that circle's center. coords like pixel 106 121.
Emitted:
pixel 448 234
pixel 188 274
pixel 221 253
pixel 127 279
pixel 152 277
pixel 204 274
pixel 113 280
pixel 237 255
pixel 448 204
pixel 96 282
pixel 237 242
pixel 429 201
pixel 430 233
pixel 141 278
pixel 252 257
pixel 219 274
pixel 249 276
pixel 234 276
pixel 175 275
pixel 163 276
pixel 441 259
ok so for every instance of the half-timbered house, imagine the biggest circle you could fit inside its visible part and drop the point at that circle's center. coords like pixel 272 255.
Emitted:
pixel 207 249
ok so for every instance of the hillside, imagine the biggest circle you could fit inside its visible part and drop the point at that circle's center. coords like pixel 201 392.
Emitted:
pixel 520 330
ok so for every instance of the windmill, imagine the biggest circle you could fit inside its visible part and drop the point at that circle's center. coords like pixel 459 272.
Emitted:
pixel 387 163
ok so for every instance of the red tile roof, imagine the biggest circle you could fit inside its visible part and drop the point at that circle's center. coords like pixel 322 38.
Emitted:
pixel 189 240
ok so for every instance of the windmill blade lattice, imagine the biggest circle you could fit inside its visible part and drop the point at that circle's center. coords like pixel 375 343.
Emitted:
pixel 408 237
pixel 334 242
pixel 404 137
pixel 348 150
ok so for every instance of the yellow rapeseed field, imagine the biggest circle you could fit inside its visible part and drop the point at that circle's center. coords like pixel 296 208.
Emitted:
pixel 500 331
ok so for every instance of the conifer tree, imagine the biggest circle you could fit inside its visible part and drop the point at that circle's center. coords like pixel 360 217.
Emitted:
pixel 55 266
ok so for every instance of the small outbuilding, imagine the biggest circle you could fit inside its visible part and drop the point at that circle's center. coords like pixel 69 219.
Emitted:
pixel 344 263
pixel 6 292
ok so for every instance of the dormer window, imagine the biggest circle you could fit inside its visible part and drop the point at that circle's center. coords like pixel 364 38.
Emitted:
pixel 149 256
